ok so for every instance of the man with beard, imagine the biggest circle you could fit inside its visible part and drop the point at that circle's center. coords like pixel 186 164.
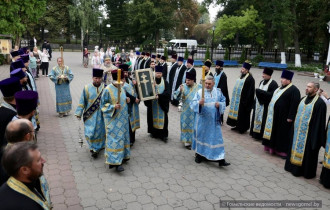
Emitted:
pixel 142 61
pixel 26 188
pixel 89 108
pixel 207 140
pixel 281 113
pixel 162 63
pixel 242 101
pixel 176 76
pixel 157 109
pixel 115 114
pixel 26 60
pixel 186 93
pixel 19 64
pixel 309 134
pixel 263 96
pixel 208 65
pixel 26 104
pixel 147 61
pixel 107 66
pixel 133 105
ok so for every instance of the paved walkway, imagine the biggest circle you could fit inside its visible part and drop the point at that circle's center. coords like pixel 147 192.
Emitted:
pixel 160 175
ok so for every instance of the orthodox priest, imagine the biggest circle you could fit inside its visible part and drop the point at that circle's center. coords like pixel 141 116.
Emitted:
pixel 176 76
pixel 309 134
pixel 157 109
pixel 133 105
pixel 89 109
pixel 242 100
pixel 162 62
pixel 107 66
pixel 62 75
pixel 220 79
pixel 263 96
pixel 208 65
pixel 325 174
pixel 174 65
pixel 190 68
pixel 186 93
pixel 281 113
pixel 115 114
pixel 207 139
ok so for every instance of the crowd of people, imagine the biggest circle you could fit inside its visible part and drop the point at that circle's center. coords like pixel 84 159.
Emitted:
pixel 288 126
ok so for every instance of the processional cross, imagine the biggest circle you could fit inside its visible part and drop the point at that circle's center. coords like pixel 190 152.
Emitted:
pixel 144 81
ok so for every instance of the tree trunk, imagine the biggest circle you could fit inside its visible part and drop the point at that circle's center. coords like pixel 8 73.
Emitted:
pixel 281 46
pixel 296 37
pixel 82 39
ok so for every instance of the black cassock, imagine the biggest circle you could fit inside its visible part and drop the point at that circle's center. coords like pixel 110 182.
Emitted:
pixel 264 98
pixel 223 86
pixel 284 108
pixel 325 174
pixel 245 105
pixel 315 139
pixel 6 115
pixel 13 200
pixel 141 66
pixel 130 105
pixel 173 71
pixel 147 63
pixel 163 102
pixel 164 65
pixel 136 65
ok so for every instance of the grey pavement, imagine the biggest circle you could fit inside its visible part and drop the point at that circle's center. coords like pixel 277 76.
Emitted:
pixel 160 175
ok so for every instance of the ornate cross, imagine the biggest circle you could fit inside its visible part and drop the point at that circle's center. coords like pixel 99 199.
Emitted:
pixel 144 81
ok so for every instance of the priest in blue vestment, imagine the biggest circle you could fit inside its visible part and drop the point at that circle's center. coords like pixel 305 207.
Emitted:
pixel 325 174
pixel 133 105
pixel 89 108
pixel 308 134
pixel 207 140
pixel 62 75
pixel 185 94
pixel 115 112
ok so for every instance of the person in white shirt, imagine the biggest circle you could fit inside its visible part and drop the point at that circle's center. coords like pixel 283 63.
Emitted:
pixel 44 61
pixel 324 96
pixel 96 61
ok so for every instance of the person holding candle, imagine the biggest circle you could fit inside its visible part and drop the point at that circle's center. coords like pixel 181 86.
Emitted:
pixel 115 113
pixel 242 100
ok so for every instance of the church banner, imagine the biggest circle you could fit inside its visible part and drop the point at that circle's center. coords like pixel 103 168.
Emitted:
pixel 145 81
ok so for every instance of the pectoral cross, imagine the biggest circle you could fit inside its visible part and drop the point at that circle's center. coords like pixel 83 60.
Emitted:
pixel 144 81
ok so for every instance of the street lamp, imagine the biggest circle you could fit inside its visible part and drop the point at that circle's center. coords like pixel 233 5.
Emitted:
pixel 100 22
pixel 186 32
pixel 213 28
pixel 108 26
pixel 328 59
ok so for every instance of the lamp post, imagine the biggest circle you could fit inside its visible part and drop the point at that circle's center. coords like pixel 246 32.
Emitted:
pixel 328 59
pixel 213 28
pixel 186 32
pixel 108 26
pixel 100 22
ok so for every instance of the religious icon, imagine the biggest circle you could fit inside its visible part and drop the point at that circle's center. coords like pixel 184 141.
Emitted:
pixel 145 82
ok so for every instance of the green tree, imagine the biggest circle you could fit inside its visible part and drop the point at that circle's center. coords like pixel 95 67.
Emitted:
pixel 248 25
pixel 186 54
pixel 16 14
pixel 85 13
pixel 226 56
pixel 207 54
pixel 166 53
pixel 117 50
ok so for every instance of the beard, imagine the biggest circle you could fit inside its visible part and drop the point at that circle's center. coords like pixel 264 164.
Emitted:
pixel 96 84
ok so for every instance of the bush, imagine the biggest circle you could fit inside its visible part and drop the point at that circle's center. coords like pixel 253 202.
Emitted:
pixel 259 58
pixel 165 53
pixel 226 57
pixel 207 54
pixel 242 58
pixel 186 54
pixel 141 48
pixel 2 59
pixel 117 50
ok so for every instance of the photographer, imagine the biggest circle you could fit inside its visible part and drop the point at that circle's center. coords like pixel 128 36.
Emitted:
pixel 44 61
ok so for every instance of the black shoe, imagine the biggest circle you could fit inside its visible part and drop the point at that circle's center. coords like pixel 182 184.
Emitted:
pixel 131 144
pixel 188 147
pixel 223 163
pixel 120 168
pixel 111 166
pixel 198 158
pixel 125 160
pixel 38 127
pixel 241 132
pixel 164 139
pixel 234 129
pixel 95 154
